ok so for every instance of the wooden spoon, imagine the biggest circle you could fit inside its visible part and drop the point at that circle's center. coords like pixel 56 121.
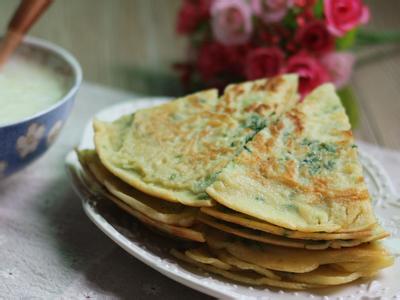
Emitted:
pixel 26 15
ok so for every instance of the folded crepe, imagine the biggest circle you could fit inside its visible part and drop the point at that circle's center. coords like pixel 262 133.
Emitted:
pixel 174 151
pixel 268 238
pixel 172 219
pixel 156 209
pixel 259 264
pixel 301 173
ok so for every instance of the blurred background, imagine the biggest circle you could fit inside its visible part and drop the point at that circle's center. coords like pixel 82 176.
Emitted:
pixel 132 44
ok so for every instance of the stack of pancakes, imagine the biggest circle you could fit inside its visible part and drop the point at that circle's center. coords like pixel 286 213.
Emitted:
pixel 270 187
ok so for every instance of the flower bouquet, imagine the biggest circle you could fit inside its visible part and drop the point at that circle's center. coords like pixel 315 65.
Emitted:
pixel 237 40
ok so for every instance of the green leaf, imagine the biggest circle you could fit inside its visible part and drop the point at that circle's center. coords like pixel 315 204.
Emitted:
pixel 366 38
pixel 350 104
pixel 290 20
pixel 346 41
pixel 319 9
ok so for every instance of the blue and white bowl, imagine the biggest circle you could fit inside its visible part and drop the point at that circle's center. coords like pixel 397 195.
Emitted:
pixel 24 141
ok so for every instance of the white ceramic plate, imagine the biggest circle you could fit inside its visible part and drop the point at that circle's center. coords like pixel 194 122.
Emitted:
pixel 153 249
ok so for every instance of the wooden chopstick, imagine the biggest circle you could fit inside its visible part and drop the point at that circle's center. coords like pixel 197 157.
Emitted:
pixel 25 16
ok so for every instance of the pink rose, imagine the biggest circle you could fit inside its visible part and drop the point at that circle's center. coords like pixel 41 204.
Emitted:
pixel 271 11
pixel 231 21
pixel 339 66
pixel 263 62
pixel 314 37
pixel 311 72
pixel 344 15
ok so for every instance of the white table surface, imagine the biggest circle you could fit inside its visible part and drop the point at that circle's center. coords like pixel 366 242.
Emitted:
pixel 50 250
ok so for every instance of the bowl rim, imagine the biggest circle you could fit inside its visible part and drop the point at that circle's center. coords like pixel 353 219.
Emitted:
pixel 69 59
